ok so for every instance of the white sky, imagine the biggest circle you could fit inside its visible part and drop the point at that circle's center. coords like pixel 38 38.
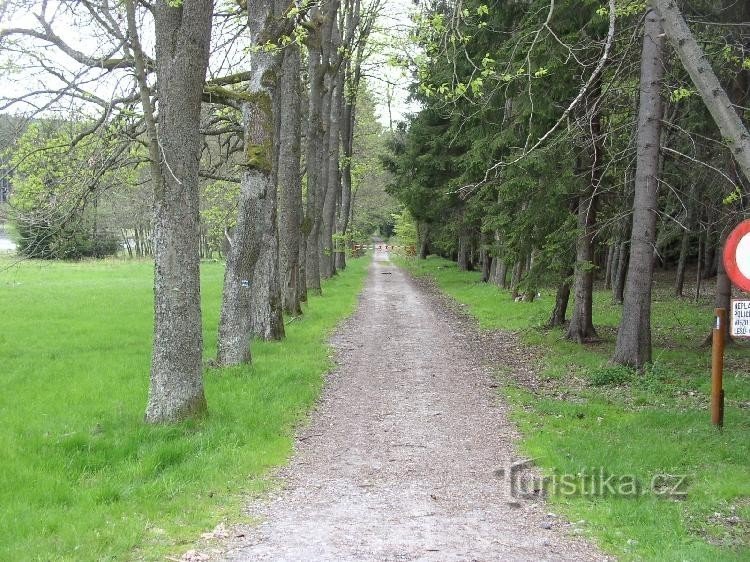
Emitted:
pixel 394 24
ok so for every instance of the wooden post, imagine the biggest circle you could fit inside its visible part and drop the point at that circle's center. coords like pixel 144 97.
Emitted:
pixel 717 367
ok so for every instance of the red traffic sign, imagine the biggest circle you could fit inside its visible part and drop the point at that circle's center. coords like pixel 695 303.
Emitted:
pixel 737 256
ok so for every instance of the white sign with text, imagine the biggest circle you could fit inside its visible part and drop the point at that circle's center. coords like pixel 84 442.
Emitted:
pixel 740 318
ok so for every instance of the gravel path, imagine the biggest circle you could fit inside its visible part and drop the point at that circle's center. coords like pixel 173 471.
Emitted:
pixel 400 459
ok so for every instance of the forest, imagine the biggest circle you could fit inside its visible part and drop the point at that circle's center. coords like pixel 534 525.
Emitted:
pixel 554 146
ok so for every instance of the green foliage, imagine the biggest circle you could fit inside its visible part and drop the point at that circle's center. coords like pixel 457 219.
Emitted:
pixel 83 477
pixel 58 177
pixel 218 209
pixel 372 206
pixel 490 85
pixel 405 228
pixel 680 94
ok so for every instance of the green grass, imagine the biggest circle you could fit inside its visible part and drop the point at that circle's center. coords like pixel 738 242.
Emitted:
pixel 83 478
pixel 633 425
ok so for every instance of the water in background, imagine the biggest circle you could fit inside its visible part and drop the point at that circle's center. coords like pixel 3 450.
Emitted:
pixel 6 244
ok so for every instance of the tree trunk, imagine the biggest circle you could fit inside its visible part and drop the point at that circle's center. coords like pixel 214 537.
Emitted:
pixel 679 282
pixel 301 277
pixel 126 240
pixel 493 269
pixel 618 288
pixel 723 296
pixel 530 292
pixel 687 232
pixel 333 189
pixel 634 335
pixel 424 240
pixel 733 130
pixel 289 180
pixel 581 326
pixel 347 144
pixel 266 309
pixel 256 209
pixel 562 297
pixel 266 318
pixel 486 261
pixel 699 267
pixel 615 264
pixel 315 190
pixel 319 40
pixel 501 274
pixel 608 266
pixel 137 242
pixel 183 36
pixel 463 250
pixel 516 276
pixel 353 76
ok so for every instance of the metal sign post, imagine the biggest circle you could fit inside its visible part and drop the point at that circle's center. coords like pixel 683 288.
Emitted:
pixel 717 368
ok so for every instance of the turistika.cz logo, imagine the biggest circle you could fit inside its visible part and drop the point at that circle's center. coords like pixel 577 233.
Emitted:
pixel 522 482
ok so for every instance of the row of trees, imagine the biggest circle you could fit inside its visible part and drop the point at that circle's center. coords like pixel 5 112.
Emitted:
pixel 551 148
pixel 261 100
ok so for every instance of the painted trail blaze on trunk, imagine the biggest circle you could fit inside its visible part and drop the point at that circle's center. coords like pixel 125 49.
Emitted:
pixel 251 263
pixel 235 322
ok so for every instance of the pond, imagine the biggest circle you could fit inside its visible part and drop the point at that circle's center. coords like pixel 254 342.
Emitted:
pixel 6 244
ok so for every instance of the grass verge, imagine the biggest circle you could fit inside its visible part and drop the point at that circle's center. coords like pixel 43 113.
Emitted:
pixel 590 418
pixel 83 477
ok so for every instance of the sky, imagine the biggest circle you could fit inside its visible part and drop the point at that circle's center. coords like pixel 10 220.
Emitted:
pixel 394 23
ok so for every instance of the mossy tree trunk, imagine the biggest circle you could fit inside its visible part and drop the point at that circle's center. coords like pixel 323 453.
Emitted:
pixel 257 202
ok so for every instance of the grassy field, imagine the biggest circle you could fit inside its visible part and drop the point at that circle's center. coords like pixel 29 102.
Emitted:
pixel 82 477
pixel 589 414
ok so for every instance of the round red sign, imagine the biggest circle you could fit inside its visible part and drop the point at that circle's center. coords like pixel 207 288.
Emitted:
pixel 737 256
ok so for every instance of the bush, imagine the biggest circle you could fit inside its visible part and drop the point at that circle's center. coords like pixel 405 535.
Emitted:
pixel 53 238
pixel 405 228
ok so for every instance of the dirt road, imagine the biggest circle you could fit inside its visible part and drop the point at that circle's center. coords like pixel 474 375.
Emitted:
pixel 399 460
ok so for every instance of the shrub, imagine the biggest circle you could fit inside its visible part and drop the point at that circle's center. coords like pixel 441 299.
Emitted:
pixel 54 238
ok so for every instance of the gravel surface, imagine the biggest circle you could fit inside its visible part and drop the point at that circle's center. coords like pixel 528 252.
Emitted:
pixel 402 456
